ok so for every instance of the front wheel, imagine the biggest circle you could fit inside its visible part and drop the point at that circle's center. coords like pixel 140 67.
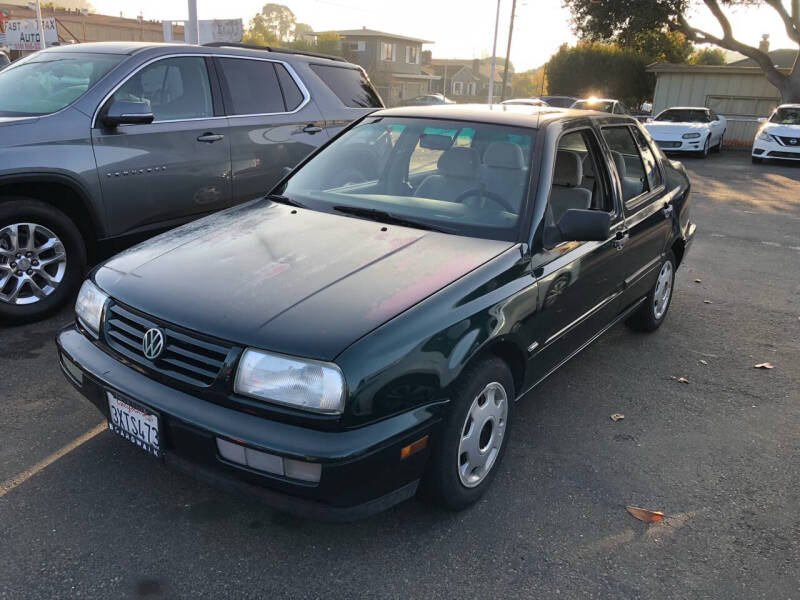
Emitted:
pixel 42 259
pixel 718 147
pixel 706 148
pixel 653 311
pixel 474 437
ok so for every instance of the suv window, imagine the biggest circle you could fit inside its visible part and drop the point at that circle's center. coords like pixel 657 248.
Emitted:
pixel 251 87
pixel 291 93
pixel 175 88
pixel 650 164
pixel 627 160
pixel 350 85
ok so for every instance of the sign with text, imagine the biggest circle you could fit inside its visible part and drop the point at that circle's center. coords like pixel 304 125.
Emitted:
pixel 220 30
pixel 23 34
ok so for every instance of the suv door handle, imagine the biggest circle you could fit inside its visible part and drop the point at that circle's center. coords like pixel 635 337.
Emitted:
pixel 667 210
pixel 620 239
pixel 210 138
pixel 312 128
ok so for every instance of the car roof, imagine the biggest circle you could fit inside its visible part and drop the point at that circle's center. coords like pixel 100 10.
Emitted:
pixel 502 114
pixel 790 105
pixel 686 108
pixel 596 100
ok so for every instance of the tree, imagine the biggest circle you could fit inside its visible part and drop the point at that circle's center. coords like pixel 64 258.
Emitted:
pixel 661 45
pixel 707 56
pixel 622 19
pixel 301 29
pixel 329 42
pixel 599 69
pixel 276 19
pixel 257 33
pixel 528 84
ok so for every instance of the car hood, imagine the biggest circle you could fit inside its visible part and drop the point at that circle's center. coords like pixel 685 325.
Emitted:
pixel 656 128
pixel 782 130
pixel 295 281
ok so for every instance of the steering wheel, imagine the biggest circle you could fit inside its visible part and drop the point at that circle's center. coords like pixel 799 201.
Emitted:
pixel 497 198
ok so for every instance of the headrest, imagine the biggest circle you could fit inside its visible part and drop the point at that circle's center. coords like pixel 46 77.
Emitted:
pixel 619 162
pixel 503 155
pixel 459 162
pixel 588 167
pixel 568 171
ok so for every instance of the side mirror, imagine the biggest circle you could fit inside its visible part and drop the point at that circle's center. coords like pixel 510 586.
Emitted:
pixel 762 119
pixel 583 225
pixel 648 120
pixel 127 112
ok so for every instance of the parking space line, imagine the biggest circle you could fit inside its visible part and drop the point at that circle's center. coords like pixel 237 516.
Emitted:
pixel 21 478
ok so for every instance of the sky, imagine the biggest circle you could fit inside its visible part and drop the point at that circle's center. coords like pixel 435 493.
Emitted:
pixel 459 28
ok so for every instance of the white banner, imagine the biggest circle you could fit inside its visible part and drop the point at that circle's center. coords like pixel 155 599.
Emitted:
pixel 23 34
pixel 220 30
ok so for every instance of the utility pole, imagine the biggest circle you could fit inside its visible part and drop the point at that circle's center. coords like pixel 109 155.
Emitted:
pixel 494 54
pixel 508 50
pixel 40 25
pixel 191 34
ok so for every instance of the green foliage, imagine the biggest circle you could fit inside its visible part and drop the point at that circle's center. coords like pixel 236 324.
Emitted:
pixel 528 84
pixel 602 70
pixel 329 42
pixel 275 22
pixel 258 33
pixel 707 56
pixel 660 45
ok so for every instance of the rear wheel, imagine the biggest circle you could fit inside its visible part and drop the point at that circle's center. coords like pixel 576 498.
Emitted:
pixel 653 311
pixel 42 259
pixel 474 437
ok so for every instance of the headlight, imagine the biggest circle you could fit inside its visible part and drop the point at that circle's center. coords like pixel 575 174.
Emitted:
pixel 764 136
pixel 689 136
pixel 89 306
pixel 307 384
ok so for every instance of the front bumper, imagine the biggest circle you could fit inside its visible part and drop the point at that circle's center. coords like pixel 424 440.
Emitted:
pixel 362 472
pixel 681 145
pixel 762 149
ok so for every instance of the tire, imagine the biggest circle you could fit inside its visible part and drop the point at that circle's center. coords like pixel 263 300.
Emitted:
pixel 705 151
pixel 56 263
pixel 450 481
pixel 718 147
pixel 650 315
pixel 756 160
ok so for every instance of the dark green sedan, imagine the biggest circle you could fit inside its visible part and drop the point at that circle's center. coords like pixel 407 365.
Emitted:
pixel 364 332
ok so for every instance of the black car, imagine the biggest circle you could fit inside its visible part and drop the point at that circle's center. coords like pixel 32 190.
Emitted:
pixel 346 340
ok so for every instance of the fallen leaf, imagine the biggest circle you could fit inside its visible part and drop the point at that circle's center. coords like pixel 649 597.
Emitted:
pixel 648 516
pixel 764 365
pixel 698 280
pixel 617 417
pixel 707 302
pixel 683 380
pixel 673 377
pixel 703 362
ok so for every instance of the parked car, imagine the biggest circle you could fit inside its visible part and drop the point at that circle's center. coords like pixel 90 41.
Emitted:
pixel 428 100
pixel 779 136
pixel 103 144
pixel 615 107
pixel 525 102
pixel 331 348
pixel 4 60
pixel 559 101
pixel 688 129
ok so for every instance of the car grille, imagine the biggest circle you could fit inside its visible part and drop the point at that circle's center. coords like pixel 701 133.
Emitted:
pixel 186 357
pixel 789 141
pixel 778 154
pixel 669 144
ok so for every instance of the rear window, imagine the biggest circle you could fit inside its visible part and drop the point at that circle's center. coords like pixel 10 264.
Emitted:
pixel 291 93
pixel 350 85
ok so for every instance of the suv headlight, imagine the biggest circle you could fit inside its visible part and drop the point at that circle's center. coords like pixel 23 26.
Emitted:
pixel 306 384
pixel 764 136
pixel 89 307
pixel 689 136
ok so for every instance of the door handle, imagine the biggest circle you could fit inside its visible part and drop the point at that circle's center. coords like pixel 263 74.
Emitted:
pixel 668 208
pixel 312 128
pixel 210 138
pixel 620 239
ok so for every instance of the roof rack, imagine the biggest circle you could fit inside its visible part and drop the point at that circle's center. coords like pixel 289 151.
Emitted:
pixel 273 49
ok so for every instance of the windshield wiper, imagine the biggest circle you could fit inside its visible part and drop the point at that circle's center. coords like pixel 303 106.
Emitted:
pixel 285 200
pixel 382 216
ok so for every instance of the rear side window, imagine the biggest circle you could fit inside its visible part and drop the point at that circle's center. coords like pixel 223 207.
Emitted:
pixel 350 85
pixel 650 165
pixel 627 161
pixel 291 93
pixel 251 87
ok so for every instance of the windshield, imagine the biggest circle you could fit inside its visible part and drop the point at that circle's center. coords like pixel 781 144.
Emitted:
pixel 465 178
pixel 684 116
pixel 46 82
pixel 601 105
pixel 786 116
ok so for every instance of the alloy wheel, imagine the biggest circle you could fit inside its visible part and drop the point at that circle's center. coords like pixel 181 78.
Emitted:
pixel 32 263
pixel 663 291
pixel 482 434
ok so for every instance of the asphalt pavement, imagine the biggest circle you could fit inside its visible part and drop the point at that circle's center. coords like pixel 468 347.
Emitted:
pixel 84 515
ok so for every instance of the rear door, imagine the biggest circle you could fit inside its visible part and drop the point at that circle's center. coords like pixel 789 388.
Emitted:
pixel 273 122
pixel 174 168
pixel 646 208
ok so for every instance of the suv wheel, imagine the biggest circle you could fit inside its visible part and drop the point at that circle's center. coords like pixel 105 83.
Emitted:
pixel 42 259
pixel 474 437
pixel 653 311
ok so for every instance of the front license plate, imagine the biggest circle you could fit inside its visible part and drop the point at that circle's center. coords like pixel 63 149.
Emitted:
pixel 136 425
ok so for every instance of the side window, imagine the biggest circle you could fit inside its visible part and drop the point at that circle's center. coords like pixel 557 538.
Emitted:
pixel 649 160
pixel 580 179
pixel 252 87
pixel 175 88
pixel 627 161
pixel 291 93
pixel 350 85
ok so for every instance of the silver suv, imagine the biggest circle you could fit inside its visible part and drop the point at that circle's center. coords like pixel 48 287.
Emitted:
pixel 105 144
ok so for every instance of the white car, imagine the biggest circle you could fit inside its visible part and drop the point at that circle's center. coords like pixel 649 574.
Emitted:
pixel 688 129
pixel 525 102
pixel 779 136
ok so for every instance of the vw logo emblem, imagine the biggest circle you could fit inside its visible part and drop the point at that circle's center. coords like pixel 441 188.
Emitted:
pixel 153 343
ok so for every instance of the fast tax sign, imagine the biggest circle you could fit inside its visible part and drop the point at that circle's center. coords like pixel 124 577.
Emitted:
pixel 23 34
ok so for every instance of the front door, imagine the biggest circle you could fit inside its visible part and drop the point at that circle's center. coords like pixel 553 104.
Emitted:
pixel 174 168
pixel 579 282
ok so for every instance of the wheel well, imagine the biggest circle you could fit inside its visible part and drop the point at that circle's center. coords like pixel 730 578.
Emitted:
pixel 678 248
pixel 512 356
pixel 62 197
